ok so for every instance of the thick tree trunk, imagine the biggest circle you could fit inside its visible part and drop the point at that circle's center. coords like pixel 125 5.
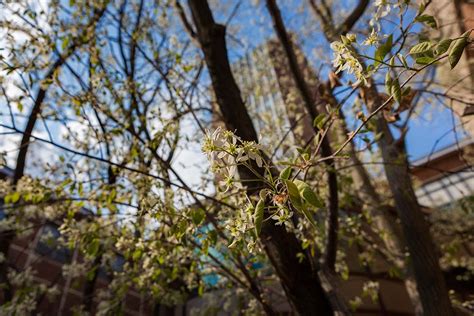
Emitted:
pixel 302 287
pixel 392 240
pixel 423 257
pixel 379 212
pixel 383 222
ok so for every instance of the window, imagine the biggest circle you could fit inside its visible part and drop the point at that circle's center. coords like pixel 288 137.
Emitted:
pixel 48 244
pixel 2 211
pixel 116 266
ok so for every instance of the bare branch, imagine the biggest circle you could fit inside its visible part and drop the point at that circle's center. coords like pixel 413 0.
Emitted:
pixel 184 19
pixel 352 19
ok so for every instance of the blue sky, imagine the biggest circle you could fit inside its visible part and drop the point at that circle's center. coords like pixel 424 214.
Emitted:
pixel 433 129
pixel 434 126
pixel 431 135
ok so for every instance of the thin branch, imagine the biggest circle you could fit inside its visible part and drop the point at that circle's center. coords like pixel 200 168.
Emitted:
pixel 352 19
pixel 326 150
pixel 184 19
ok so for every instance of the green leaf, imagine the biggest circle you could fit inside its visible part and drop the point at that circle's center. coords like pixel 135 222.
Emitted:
pixel 442 46
pixel 263 193
pixel 299 184
pixel 303 152
pixel 396 91
pixel 65 43
pixel 457 48
pixel 308 194
pixel 318 120
pixel 391 62
pixel 406 91
pixel 93 248
pixel 383 50
pixel 70 214
pixel 286 173
pixel 421 48
pixel 294 194
pixel 188 68
pixel 258 216
pixel 403 60
pixel 212 237
pixel 311 197
pixel 422 7
pixel 91 273
pixel 388 83
pixel 428 20
pixel 197 216
pixel 13 198
pixel 424 60
pixel 309 216
pixel 137 254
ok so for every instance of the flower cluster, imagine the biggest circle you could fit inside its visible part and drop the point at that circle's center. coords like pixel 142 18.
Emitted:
pixel 372 39
pixel 282 216
pixel 75 270
pixel 25 302
pixel 346 58
pixel 382 9
pixel 239 225
pixel 226 152
pixel 371 289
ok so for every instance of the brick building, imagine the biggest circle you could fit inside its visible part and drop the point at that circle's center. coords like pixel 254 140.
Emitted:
pixel 39 250
pixel 445 176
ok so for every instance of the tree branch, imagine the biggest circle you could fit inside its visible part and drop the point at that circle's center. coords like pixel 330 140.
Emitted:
pixel 326 150
pixel 352 19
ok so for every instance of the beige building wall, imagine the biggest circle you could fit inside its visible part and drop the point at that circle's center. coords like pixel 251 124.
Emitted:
pixel 455 17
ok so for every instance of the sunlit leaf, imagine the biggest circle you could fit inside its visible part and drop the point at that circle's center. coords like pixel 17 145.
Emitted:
pixel 294 193
pixel 420 48
pixel 258 216
pixel 428 20
pixel 457 48
pixel 285 173
pixel 383 50
pixel 442 47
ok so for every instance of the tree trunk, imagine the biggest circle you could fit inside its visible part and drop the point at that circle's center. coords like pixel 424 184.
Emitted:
pixel 383 222
pixel 302 287
pixel 326 150
pixel 423 257
pixel 392 240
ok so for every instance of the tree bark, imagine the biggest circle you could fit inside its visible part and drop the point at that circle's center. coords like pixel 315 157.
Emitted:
pixel 302 287
pixel 392 239
pixel 383 222
pixel 430 281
